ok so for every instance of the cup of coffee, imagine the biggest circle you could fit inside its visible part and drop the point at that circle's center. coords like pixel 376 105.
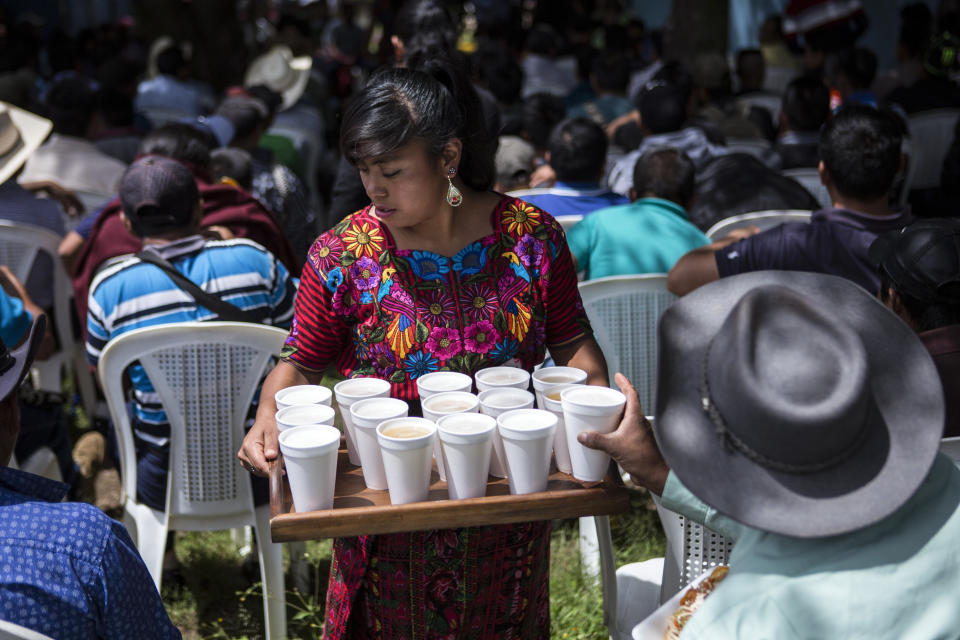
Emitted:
pixel 443 404
pixel 495 377
pixel 466 440
pixel 590 408
pixel 527 442
pixel 367 416
pixel 549 377
pixel 302 415
pixel 310 457
pixel 561 452
pixel 406 445
pixel 494 402
pixel 441 381
pixel 354 390
pixel 303 394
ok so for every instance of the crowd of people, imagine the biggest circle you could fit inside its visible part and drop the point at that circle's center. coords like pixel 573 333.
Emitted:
pixel 412 193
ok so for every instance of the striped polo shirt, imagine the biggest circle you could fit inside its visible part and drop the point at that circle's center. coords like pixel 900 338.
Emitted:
pixel 133 294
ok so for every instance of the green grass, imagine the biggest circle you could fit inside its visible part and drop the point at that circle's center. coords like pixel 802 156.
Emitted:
pixel 219 594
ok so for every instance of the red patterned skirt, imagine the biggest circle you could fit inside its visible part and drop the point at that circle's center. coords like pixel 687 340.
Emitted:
pixel 477 582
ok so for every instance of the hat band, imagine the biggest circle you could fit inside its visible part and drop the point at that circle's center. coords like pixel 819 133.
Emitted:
pixel 730 441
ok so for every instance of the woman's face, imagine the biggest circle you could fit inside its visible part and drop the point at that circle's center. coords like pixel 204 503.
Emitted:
pixel 408 187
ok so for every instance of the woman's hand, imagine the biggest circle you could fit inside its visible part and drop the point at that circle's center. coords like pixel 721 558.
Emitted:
pixel 260 444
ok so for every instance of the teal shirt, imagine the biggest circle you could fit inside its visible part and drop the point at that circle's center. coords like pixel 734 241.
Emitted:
pixel 896 579
pixel 14 319
pixel 647 236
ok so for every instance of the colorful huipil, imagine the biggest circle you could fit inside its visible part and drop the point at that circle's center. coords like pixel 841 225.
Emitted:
pixel 370 309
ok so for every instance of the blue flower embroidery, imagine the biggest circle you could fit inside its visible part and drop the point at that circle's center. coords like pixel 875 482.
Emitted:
pixel 366 297
pixel 334 279
pixel 470 260
pixel 504 350
pixel 429 266
pixel 419 363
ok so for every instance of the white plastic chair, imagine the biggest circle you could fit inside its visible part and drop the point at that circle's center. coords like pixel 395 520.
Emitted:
pixel 20 246
pixel 205 374
pixel 951 448
pixel 931 134
pixel 762 219
pixel 11 631
pixel 809 179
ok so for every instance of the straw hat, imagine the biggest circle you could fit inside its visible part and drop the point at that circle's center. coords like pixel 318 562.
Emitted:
pixel 21 132
pixel 278 70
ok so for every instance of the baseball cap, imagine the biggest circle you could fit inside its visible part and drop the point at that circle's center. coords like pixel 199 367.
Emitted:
pixel 922 259
pixel 158 194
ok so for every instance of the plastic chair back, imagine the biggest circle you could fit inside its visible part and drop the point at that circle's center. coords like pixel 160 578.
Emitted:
pixel 568 221
pixel 762 219
pixel 931 134
pixel 809 179
pixel 951 448
pixel 11 631
pixel 20 246
pixel 624 311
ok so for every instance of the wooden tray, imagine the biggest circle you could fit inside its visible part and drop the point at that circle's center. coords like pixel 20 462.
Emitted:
pixel 361 511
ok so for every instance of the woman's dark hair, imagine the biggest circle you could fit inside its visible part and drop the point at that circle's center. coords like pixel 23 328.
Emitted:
pixel 434 104
pixel 419 17
pixel 180 141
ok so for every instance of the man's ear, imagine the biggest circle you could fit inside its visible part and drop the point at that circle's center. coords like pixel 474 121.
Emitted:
pixel 126 222
pixel 632 194
pixel 825 178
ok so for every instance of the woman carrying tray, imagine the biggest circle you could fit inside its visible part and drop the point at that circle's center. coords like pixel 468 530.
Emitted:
pixel 438 272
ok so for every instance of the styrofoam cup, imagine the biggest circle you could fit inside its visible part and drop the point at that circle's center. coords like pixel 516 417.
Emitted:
pixel 354 390
pixel 494 402
pixel 527 442
pixel 551 402
pixel 310 457
pixel 590 408
pixel 466 440
pixel 440 381
pixel 406 460
pixel 549 377
pixel 496 377
pixel 303 415
pixel 302 394
pixel 442 404
pixel 367 416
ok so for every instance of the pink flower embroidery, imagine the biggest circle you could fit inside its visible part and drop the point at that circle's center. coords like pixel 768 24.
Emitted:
pixel 436 307
pixel 443 343
pixel 325 252
pixel 478 301
pixel 480 337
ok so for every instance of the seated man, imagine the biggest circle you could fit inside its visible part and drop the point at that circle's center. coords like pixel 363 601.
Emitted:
pixel 650 234
pixel 78 575
pixel 577 152
pixel 161 205
pixel 860 156
pixel 806 107
pixel 920 282
pixel 802 419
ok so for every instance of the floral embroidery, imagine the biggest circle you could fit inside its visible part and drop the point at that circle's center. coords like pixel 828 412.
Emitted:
pixel 334 279
pixel 444 343
pixel 480 337
pixel 504 350
pixel 401 330
pixel 344 303
pixel 436 306
pixel 520 218
pixel 365 273
pixel 364 239
pixel 326 253
pixel 529 250
pixel 478 301
pixel 429 266
pixel 419 363
pixel 470 260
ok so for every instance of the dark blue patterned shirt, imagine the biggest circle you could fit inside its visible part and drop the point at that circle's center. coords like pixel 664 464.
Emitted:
pixel 69 571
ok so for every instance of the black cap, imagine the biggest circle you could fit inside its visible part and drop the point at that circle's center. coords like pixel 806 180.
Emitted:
pixel 158 194
pixel 922 259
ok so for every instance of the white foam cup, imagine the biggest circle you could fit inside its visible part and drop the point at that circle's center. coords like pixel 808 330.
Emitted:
pixel 366 416
pixel 354 390
pixel 302 394
pixel 590 408
pixel 310 457
pixel 442 404
pixel 494 402
pixel 303 415
pixel 561 452
pixel 441 381
pixel 496 377
pixel 549 377
pixel 527 442
pixel 406 460
pixel 466 440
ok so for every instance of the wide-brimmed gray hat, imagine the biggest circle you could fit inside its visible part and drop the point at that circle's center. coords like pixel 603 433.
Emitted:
pixel 15 363
pixel 795 403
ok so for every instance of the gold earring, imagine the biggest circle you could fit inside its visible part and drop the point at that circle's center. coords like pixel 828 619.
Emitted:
pixel 454 197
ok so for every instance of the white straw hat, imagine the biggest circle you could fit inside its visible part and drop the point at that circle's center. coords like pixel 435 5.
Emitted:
pixel 278 70
pixel 21 132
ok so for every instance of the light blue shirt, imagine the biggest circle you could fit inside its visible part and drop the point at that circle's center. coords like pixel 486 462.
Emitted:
pixel 14 319
pixel 898 578
pixel 648 236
